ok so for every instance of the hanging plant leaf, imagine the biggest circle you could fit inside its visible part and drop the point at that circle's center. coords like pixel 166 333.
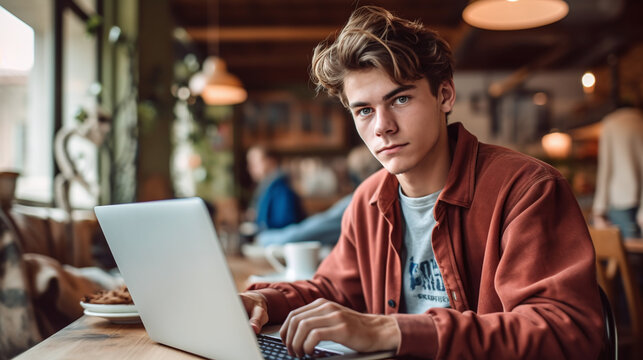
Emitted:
pixel 93 23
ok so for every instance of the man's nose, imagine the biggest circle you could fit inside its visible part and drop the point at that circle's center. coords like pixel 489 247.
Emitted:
pixel 385 123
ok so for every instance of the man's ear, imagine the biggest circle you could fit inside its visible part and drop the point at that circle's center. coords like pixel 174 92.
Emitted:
pixel 446 95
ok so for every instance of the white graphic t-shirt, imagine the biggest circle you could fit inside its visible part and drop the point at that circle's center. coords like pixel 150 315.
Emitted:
pixel 422 284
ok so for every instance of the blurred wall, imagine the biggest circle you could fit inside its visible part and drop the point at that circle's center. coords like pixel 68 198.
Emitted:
pixel 519 122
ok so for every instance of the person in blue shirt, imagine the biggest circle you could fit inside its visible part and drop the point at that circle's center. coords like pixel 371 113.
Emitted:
pixel 275 204
pixel 325 227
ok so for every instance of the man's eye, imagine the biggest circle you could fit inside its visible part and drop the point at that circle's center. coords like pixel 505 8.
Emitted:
pixel 402 99
pixel 365 111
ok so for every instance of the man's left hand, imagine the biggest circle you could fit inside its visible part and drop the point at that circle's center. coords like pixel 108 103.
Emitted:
pixel 323 320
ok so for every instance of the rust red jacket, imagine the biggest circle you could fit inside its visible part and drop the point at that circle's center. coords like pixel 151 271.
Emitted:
pixel 513 248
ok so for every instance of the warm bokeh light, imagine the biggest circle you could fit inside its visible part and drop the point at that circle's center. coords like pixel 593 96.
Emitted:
pixel 16 43
pixel 588 79
pixel 540 98
pixel 589 82
pixel 557 145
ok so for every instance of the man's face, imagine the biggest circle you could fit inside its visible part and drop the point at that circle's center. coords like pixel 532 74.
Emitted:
pixel 258 164
pixel 402 125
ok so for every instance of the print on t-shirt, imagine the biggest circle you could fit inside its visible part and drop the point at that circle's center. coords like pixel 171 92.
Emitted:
pixel 426 281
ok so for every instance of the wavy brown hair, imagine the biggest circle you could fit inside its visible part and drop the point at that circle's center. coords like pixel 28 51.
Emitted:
pixel 375 38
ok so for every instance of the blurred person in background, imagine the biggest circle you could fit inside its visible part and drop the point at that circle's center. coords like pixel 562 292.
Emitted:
pixel 619 182
pixel 274 204
pixel 325 227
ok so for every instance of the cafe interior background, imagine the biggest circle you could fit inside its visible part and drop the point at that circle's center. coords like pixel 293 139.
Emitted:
pixel 105 102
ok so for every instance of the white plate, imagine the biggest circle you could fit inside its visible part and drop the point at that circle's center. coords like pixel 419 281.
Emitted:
pixel 109 308
pixel 273 277
pixel 117 318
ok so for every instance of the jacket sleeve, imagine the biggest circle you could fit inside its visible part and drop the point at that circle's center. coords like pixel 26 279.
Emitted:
pixel 544 289
pixel 337 279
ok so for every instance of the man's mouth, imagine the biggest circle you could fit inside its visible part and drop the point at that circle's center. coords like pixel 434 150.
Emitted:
pixel 390 148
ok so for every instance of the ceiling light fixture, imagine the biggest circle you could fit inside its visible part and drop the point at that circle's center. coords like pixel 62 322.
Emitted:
pixel 214 83
pixel 513 14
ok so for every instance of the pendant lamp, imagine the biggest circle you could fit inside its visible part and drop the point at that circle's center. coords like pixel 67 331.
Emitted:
pixel 216 85
pixel 513 14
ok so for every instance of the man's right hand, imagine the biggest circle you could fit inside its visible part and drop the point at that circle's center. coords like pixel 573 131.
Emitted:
pixel 257 309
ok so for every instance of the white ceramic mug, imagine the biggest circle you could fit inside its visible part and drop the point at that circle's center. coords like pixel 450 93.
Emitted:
pixel 302 259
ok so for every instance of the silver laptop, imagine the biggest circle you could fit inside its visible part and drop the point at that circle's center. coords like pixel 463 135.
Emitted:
pixel 169 255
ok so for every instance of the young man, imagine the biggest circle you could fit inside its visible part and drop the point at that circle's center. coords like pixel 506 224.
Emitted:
pixel 457 249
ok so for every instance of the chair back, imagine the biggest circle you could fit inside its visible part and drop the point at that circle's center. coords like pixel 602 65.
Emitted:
pixel 611 260
pixel 610 348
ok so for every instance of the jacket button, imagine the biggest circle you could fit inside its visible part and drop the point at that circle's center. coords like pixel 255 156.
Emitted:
pixel 391 303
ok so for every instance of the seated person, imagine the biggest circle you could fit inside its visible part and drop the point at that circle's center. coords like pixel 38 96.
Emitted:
pixel 456 249
pixel 274 204
pixel 325 227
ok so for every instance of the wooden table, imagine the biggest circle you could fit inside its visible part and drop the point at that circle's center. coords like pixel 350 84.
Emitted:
pixel 96 338
pixel 242 267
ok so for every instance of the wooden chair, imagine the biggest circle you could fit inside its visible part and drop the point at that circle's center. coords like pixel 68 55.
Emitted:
pixel 611 260
pixel 610 347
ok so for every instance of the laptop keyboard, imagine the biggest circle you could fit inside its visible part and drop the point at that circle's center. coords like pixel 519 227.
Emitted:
pixel 273 349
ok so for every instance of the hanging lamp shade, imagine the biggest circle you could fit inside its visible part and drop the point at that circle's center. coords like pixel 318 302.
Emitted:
pixel 216 85
pixel 514 14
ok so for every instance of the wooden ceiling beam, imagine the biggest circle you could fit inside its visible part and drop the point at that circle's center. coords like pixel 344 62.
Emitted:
pixel 285 33
pixel 260 33
pixel 267 61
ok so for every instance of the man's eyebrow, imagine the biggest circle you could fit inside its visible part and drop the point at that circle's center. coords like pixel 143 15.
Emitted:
pixel 387 96
pixel 397 91
pixel 357 104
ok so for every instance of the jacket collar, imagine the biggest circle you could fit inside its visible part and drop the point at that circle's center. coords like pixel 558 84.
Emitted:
pixel 460 183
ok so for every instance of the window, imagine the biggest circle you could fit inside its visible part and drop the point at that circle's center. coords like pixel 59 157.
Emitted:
pixel 26 119
pixel 28 83
pixel 79 75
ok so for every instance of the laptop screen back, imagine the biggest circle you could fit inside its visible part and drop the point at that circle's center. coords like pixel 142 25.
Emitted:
pixel 173 265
